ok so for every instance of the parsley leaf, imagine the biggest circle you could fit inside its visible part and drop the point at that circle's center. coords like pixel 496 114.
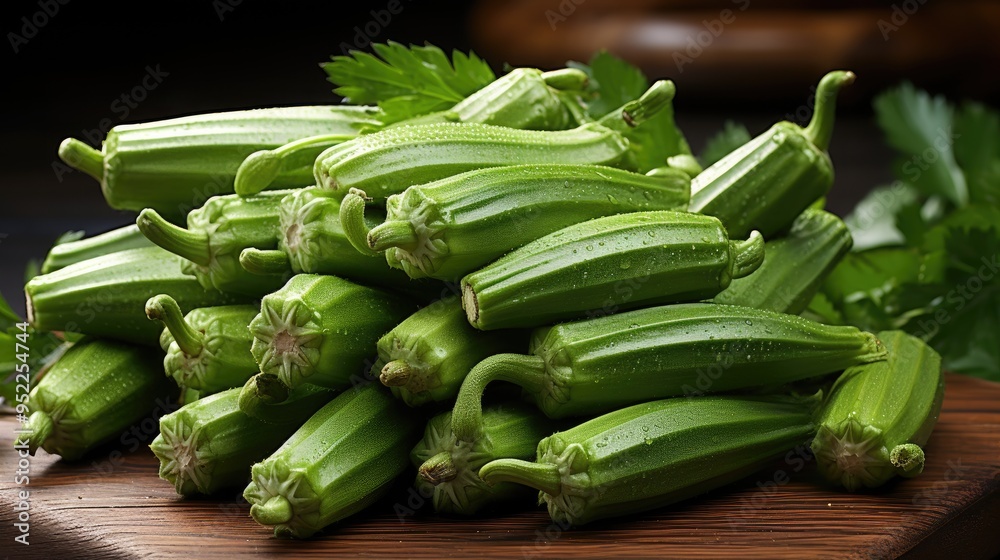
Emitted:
pixel 406 81
pixel 732 136
pixel 977 149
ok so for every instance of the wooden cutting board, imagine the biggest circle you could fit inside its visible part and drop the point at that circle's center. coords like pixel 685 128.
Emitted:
pixel 103 508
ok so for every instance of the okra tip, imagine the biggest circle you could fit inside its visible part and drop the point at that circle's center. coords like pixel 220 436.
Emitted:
pixel 190 245
pixel 747 255
pixel 820 127
pixel 275 511
pixel 40 426
pixel 79 155
pixel 657 98
pixel 259 261
pixel 257 172
pixel 164 308
pixel 395 373
pixel 352 219
pixel 438 469
pixel 566 79
pixel 540 476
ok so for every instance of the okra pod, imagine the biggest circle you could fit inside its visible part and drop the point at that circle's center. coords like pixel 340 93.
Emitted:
pixel 216 235
pixel 654 454
pixel 106 296
pixel 320 330
pixel 770 180
pixel 596 365
pixel 878 416
pixel 794 266
pixel 92 394
pixel 449 468
pixel 609 264
pixel 210 444
pixel 340 461
pixel 72 252
pixel 451 227
pixel 426 357
pixel 209 348
pixel 174 165
pixel 389 161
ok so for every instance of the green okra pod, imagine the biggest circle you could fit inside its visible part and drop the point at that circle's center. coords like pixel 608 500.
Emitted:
pixel 389 161
pixel 106 296
pixel 340 461
pixel 794 266
pixel 524 98
pixel 209 348
pixel 770 180
pixel 320 330
pixel 425 358
pixel 451 227
pixel 596 365
pixel 72 252
pixel 608 264
pixel 174 165
pixel 210 444
pixel 654 454
pixel 92 394
pixel 449 468
pixel 878 416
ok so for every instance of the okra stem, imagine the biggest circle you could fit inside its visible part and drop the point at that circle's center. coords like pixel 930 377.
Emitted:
pixel 565 79
pixel 164 308
pixel 274 511
pixel 261 168
pixel 352 219
pixel 40 425
pixel 820 128
pixel 395 373
pixel 909 458
pixel 747 255
pixel 392 233
pixel 636 112
pixel 541 476
pixel 467 416
pixel 262 390
pixel 259 261
pixel 179 241
pixel 438 469
pixel 79 155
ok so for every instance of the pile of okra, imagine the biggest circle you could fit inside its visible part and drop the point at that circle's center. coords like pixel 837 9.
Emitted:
pixel 329 299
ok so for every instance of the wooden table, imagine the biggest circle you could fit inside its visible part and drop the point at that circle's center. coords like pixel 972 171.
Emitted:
pixel 103 508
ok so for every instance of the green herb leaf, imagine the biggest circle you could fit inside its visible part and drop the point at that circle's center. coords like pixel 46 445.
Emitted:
pixel 920 128
pixel 406 81
pixel 44 349
pixel 977 149
pixel 732 136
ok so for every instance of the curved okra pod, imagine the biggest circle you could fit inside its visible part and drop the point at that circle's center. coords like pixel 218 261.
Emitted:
pixel 451 227
pixel 72 252
pixel 312 240
pixel 341 460
pixel 770 180
pixel 608 264
pixel 319 330
pixel 654 454
pixel 426 357
pixel 450 468
pixel 524 98
pixel 389 161
pixel 209 348
pixel 794 266
pixel 596 365
pixel 216 235
pixel 105 296
pixel 93 393
pixel 210 445
pixel 878 415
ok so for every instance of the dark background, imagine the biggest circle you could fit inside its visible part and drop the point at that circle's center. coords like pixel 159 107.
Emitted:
pixel 232 54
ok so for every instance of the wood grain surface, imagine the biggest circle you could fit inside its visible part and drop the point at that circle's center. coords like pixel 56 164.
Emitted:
pixel 108 506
